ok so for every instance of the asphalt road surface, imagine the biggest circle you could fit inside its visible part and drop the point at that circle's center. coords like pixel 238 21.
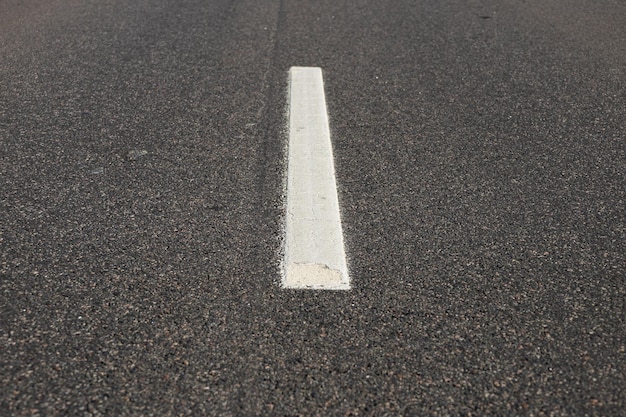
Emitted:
pixel 480 153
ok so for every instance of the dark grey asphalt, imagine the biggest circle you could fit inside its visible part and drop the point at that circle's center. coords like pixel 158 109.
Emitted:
pixel 481 156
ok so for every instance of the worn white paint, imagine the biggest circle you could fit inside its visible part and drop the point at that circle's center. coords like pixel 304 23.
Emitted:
pixel 314 256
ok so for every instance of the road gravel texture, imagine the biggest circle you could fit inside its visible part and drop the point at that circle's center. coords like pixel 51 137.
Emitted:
pixel 480 156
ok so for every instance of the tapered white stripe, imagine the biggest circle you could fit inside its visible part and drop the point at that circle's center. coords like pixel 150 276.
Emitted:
pixel 314 255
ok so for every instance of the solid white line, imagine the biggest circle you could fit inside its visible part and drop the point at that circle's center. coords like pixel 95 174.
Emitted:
pixel 314 255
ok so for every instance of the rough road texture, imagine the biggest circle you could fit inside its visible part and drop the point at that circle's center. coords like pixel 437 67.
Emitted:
pixel 480 158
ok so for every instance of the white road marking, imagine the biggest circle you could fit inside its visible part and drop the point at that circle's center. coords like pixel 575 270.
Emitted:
pixel 314 255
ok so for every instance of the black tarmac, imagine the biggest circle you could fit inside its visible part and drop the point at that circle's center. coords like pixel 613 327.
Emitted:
pixel 480 150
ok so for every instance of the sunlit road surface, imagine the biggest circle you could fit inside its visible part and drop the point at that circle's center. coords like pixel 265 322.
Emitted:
pixel 479 155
